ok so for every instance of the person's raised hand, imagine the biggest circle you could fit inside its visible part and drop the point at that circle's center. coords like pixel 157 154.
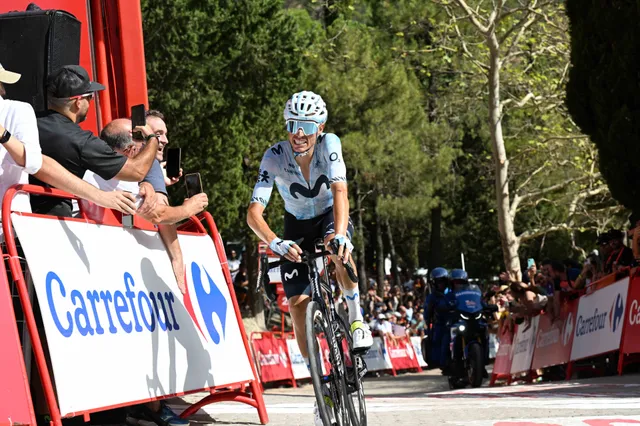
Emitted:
pixel 124 202
pixel 150 200
pixel 197 203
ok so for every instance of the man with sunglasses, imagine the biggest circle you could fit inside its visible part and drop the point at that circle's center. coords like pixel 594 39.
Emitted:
pixel 69 95
pixel 311 177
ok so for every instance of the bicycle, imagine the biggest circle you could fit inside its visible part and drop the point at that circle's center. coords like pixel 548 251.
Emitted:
pixel 344 378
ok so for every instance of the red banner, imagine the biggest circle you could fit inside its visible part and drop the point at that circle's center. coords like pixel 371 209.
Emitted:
pixel 324 350
pixel 502 364
pixel 272 358
pixel 555 339
pixel 402 354
pixel 631 343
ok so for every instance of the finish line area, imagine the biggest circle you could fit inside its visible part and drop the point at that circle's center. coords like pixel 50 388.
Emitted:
pixel 423 399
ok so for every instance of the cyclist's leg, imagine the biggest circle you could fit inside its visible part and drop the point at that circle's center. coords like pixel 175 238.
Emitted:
pixel 362 339
pixel 295 277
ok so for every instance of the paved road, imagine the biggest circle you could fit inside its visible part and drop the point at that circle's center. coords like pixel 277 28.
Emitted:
pixel 424 399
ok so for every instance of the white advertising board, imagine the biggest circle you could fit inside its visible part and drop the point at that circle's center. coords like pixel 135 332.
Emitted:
pixel 117 326
pixel 377 358
pixel 416 341
pixel 300 370
pixel 600 321
pixel 524 345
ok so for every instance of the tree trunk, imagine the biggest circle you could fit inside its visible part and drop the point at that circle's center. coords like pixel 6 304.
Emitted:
pixel 362 266
pixel 379 250
pixel 251 261
pixel 508 238
pixel 394 257
pixel 435 239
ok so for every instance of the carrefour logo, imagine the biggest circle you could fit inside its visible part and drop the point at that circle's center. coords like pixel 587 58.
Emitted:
pixel 598 321
pixel 568 329
pixel 211 301
pixel 134 308
pixel 616 313
pixel 128 311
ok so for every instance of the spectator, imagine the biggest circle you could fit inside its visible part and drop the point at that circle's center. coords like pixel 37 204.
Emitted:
pixel 234 265
pixel 117 135
pixel 383 326
pixel 241 285
pixel 620 256
pixel 409 310
pixel 563 279
pixel 604 248
pixel 70 92
pixel 19 137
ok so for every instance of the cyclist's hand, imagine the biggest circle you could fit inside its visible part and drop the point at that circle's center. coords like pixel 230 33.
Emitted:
pixel 286 248
pixel 342 247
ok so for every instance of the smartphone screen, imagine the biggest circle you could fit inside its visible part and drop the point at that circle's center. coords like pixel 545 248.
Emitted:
pixel 138 118
pixel 531 263
pixel 193 183
pixel 173 162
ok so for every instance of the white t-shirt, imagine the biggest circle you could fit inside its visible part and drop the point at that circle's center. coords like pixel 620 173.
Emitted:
pixel 384 327
pixel 93 210
pixel 20 120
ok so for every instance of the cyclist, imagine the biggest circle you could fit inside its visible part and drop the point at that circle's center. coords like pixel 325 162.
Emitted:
pixel 436 309
pixel 310 174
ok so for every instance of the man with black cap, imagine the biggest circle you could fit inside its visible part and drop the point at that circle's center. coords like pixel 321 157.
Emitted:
pixel 70 91
pixel 19 139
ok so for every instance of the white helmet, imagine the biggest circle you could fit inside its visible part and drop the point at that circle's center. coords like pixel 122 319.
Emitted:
pixel 306 106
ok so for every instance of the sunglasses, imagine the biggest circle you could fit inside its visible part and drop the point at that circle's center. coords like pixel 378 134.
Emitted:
pixel 308 127
pixel 87 96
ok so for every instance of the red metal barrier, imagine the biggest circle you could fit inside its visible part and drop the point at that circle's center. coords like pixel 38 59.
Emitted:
pixel 226 392
pixel 15 397
pixel 555 338
pixel 272 357
pixel 502 364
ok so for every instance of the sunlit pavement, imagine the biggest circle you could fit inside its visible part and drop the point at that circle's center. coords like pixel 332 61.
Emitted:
pixel 424 399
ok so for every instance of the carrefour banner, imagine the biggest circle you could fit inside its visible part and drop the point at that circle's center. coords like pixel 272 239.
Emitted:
pixel 117 326
pixel 599 322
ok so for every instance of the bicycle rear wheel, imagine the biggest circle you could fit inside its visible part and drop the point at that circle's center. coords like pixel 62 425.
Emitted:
pixel 356 369
pixel 333 382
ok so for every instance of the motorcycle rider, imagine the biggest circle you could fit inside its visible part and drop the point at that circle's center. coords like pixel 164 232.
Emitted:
pixel 459 281
pixel 436 314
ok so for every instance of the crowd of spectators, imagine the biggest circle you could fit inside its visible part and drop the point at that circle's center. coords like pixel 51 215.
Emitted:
pixel 122 169
pixel 544 287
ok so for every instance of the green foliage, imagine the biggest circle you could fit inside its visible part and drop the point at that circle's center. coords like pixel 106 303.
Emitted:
pixel 221 72
pixel 603 94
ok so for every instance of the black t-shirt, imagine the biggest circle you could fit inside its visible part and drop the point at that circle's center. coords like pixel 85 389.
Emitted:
pixel 77 150
pixel 623 257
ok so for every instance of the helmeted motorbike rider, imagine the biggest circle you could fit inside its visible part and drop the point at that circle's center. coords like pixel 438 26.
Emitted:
pixel 459 282
pixel 436 314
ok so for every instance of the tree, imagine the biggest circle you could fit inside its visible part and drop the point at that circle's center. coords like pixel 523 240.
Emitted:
pixel 375 106
pixel 221 73
pixel 603 92
pixel 520 55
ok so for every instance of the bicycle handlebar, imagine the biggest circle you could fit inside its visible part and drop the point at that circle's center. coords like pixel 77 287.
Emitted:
pixel 265 265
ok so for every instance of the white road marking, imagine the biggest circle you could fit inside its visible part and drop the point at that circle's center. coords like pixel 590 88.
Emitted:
pixel 563 421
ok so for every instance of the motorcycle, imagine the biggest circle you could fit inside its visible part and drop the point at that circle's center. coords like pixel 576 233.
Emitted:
pixel 469 342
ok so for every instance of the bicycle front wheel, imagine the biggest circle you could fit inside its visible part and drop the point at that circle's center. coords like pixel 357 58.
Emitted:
pixel 356 369
pixel 330 386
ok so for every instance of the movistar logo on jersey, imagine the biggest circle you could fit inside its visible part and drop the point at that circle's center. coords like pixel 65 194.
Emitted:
pixel 307 192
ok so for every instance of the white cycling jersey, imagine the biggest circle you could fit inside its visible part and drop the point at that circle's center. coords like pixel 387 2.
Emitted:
pixel 304 200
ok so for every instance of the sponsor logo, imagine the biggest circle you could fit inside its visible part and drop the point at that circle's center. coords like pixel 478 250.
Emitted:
pixel 334 156
pixel 211 302
pixel 288 276
pixel 277 150
pixel 616 313
pixel 351 297
pixel 297 189
pixel 409 350
pixel 548 338
pixel 127 310
pixel 284 359
pixel 568 329
pixel 591 324
pixel 263 176
pixel 634 313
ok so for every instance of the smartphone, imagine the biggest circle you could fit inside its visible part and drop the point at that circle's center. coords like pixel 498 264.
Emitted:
pixel 193 184
pixel 173 162
pixel 138 118
pixel 127 219
pixel 531 263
